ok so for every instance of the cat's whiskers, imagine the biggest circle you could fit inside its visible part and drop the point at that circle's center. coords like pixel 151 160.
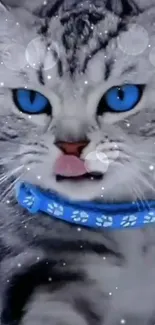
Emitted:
pixel 136 189
pixel 15 143
pixel 37 142
pixel 10 188
pixel 131 191
pixel 145 172
pixel 128 150
pixel 148 185
pixel 135 175
pixel 126 156
pixel 140 196
pixel 29 219
pixel 6 176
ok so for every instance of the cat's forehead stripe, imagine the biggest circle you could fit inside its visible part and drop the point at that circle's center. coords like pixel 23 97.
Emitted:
pixel 72 57
pixel 77 28
pixel 41 75
pixel 127 70
pixel 108 69
pixel 121 8
pixel 103 43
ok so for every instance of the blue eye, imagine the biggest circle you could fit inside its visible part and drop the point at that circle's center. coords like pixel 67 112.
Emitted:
pixel 121 98
pixel 31 102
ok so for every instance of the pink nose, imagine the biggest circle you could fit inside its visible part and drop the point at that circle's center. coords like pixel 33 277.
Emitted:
pixel 74 149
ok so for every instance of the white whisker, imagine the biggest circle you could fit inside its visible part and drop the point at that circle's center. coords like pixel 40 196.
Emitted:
pixel 9 174
pixel 136 189
pixel 29 219
pixel 10 188
pixel 140 196
pixel 131 191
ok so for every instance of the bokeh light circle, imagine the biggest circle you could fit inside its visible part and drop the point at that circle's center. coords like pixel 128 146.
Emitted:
pixel 94 163
pixel 134 41
pixel 37 53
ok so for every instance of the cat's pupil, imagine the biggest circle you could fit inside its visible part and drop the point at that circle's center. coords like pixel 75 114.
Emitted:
pixel 32 96
pixel 120 94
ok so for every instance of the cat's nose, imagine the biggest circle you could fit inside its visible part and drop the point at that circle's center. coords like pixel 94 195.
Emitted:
pixel 72 148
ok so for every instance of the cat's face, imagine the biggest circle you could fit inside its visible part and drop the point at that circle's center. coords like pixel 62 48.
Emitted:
pixel 89 61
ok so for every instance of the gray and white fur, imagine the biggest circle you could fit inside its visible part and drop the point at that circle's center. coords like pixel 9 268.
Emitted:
pixel 52 272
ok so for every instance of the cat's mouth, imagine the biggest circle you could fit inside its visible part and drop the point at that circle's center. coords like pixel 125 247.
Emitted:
pixel 87 176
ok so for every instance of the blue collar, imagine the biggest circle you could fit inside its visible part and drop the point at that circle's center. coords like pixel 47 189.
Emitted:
pixel 92 215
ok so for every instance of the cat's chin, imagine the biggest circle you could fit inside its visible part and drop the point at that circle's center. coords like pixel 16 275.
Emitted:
pixel 87 188
pixel 110 187
pixel 83 189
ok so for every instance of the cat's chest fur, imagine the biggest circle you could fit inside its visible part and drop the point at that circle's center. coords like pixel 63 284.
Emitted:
pixel 117 267
pixel 128 282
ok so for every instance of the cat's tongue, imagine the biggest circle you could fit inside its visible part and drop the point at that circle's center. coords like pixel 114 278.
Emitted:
pixel 69 166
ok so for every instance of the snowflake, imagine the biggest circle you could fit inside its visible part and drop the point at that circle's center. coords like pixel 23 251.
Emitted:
pixel 29 200
pixel 55 209
pixel 150 217
pixel 128 221
pixel 80 216
pixel 104 221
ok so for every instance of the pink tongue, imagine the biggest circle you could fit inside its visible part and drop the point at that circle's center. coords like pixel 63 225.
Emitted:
pixel 69 166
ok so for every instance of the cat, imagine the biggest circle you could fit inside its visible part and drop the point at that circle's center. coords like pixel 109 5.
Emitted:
pixel 69 57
